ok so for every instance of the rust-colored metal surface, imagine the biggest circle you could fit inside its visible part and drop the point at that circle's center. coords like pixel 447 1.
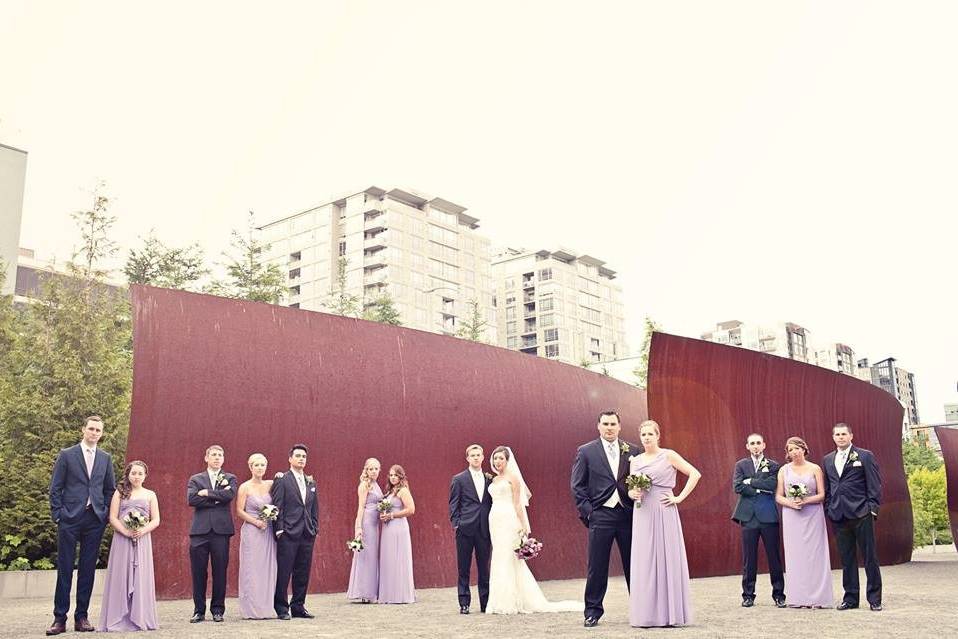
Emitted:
pixel 708 397
pixel 258 378
pixel 948 438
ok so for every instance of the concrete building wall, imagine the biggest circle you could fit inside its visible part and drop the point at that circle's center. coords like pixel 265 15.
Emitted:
pixel 13 175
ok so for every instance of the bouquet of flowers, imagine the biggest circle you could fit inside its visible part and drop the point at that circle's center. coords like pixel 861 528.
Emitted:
pixel 268 512
pixel 356 545
pixel 638 482
pixel 135 520
pixel 797 491
pixel 385 505
pixel 528 548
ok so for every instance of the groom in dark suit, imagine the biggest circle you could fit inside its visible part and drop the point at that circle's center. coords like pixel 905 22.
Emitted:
pixel 755 481
pixel 852 499
pixel 604 505
pixel 210 493
pixel 294 493
pixel 80 493
pixel 469 504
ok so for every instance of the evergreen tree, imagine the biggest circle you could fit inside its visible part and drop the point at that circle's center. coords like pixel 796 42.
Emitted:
pixel 159 265
pixel 249 277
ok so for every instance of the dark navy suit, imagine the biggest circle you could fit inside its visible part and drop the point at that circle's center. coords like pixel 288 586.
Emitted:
pixel 299 522
pixel 593 484
pixel 851 502
pixel 470 518
pixel 71 490
pixel 757 513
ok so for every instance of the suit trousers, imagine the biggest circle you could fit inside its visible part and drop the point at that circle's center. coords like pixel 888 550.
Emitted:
pixel 294 557
pixel 89 533
pixel 605 526
pixel 770 538
pixel 211 550
pixel 850 533
pixel 467 543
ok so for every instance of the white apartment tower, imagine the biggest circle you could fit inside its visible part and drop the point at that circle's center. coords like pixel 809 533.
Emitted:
pixel 784 339
pixel 424 251
pixel 559 304
pixel 13 174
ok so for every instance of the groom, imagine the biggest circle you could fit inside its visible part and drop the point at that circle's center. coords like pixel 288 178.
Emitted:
pixel 469 504
pixel 604 505
pixel 295 495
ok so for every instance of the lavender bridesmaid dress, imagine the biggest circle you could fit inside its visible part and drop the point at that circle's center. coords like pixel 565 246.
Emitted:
pixel 395 560
pixel 659 591
pixel 129 596
pixel 808 577
pixel 257 564
pixel 364 575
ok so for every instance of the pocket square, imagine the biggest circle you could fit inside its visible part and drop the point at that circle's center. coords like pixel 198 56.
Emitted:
pixel 314 490
pixel 858 463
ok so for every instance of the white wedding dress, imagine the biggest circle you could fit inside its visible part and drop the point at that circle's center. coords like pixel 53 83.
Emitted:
pixel 512 587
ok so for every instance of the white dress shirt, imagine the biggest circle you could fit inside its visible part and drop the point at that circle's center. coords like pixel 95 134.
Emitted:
pixel 612 454
pixel 479 480
pixel 840 458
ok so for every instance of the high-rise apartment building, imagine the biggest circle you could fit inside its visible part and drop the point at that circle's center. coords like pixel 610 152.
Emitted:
pixel 784 339
pixel 13 175
pixel 951 412
pixel 559 304
pixel 424 251
pixel 836 357
pixel 897 381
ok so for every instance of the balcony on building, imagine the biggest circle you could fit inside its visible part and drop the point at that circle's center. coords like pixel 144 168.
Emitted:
pixel 375 240
pixel 294 274
pixel 528 280
pixel 376 278
pixel 295 258
pixel 374 259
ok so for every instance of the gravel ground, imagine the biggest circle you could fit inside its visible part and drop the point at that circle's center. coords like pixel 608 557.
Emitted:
pixel 919 602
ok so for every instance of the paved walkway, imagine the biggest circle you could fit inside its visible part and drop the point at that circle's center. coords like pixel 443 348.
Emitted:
pixel 919 602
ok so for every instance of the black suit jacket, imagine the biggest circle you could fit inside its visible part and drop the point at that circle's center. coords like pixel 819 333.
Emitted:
pixel 211 514
pixel 466 511
pixel 71 488
pixel 858 491
pixel 592 480
pixel 296 518
pixel 757 498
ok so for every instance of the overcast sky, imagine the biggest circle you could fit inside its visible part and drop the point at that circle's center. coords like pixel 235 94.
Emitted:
pixel 757 160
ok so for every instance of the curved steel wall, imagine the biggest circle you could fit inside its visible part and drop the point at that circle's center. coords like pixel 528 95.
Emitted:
pixel 948 438
pixel 708 397
pixel 258 378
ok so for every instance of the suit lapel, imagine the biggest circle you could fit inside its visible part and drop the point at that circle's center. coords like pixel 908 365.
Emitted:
pixel 604 459
pixel 79 456
pixel 623 464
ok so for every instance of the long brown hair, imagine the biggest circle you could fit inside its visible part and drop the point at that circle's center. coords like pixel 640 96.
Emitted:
pixel 125 487
pixel 403 482
pixel 798 442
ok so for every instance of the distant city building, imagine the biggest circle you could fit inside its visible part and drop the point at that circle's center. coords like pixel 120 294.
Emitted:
pixel 32 272
pixel 13 175
pixel 620 369
pixel 424 251
pixel 784 339
pixel 925 434
pixel 898 382
pixel 559 304
pixel 951 412
pixel 837 357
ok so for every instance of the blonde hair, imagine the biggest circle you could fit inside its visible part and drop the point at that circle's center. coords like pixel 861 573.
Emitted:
pixel 472 447
pixel 650 422
pixel 363 477
pixel 254 457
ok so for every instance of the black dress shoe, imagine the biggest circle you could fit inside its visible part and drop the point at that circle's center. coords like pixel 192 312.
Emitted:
pixel 780 602
pixel 748 602
pixel 846 606
pixel 463 610
pixel 83 625
pixel 304 614
pixel 875 607
pixel 218 617
pixel 197 617
pixel 283 615
pixel 58 628
pixel 591 622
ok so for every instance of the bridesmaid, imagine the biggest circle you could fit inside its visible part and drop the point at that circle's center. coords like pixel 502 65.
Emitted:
pixel 659 591
pixel 257 549
pixel 395 547
pixel 364 576
pixel 808 577
pixel 129 595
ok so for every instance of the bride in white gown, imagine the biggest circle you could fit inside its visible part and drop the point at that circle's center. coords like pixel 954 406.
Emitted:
pixel 512 587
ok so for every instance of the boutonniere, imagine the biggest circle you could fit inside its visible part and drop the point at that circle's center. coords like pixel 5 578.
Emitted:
pixel 488 476
pixel 763 465
pixel 221 480
pixel 310 481
pixel 624 448
pixel 853 456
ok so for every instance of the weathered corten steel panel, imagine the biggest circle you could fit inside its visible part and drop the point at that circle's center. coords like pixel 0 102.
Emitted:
pixel 258 378
pixel 948 438
pixel 708 397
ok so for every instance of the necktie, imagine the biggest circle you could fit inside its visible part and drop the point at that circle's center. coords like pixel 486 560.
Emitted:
pixel 613 457
pixel 302 486
pixel 841 462
pixel 755 463
pixel 89 462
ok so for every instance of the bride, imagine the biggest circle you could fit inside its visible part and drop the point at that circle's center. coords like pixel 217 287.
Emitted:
pixel 512 588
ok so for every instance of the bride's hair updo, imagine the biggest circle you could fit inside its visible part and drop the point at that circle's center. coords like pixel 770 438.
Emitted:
pixel 500 449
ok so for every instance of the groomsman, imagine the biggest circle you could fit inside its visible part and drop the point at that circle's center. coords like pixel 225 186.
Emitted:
pixel 754 481
pixel 469 504
pixel 210 494
pixel 604 506
pixel 852 499
pixel 80 493
pixel 295 495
